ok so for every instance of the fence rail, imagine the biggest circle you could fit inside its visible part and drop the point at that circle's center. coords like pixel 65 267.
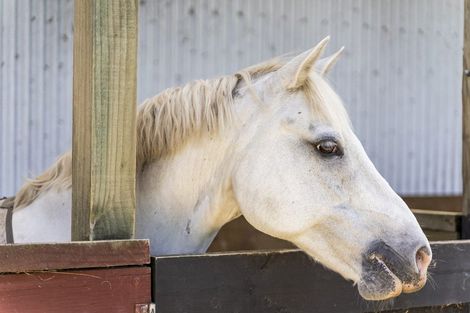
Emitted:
pixel 289 281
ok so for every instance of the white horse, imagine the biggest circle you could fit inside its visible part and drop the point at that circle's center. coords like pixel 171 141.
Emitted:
pixel 272 142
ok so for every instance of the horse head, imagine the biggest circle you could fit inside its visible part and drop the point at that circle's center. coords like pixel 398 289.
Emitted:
pixel 304 176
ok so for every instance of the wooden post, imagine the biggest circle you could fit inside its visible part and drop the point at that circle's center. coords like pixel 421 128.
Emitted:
pixel 466 124
pixel 104 110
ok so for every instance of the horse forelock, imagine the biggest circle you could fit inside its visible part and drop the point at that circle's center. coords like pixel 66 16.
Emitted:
pixel 325 102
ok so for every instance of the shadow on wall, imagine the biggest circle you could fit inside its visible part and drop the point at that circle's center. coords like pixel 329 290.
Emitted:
pixel 239 235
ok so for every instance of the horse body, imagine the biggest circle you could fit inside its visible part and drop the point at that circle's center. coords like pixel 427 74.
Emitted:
pixel 273 143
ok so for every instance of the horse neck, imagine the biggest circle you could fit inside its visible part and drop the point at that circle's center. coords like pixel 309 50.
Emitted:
pixel 185 198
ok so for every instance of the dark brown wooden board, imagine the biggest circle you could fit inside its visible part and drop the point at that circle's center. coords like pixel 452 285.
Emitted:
pixel 438 220
pixel 453 308
pixel 38 257
pixel 115 290
pixel 289 281
pixel 435 203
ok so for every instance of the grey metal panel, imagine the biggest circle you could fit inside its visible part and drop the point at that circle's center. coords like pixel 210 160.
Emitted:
pixel 35 87
pixel 22 101
pixel 399 76
pixel 8 91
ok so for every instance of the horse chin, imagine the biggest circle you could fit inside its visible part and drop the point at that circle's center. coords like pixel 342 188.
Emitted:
pixel 378 282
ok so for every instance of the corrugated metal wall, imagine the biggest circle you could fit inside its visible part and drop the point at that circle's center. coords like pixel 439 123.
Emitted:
pixel 400 75
pixel 35 87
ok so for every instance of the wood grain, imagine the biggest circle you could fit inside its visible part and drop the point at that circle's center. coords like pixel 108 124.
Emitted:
pixel 435 203
pixel 104 113
pixel 290 281
pixel 115 290
pixel 57 256
pixel 453 308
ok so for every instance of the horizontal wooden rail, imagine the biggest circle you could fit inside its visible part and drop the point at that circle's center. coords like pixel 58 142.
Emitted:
pixel 92 277
pixel 58 256
pixel 435 203
pixel 289 281
pixel 97 290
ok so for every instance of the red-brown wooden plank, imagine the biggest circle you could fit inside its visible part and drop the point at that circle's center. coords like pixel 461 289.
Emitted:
pixel 115 290
pixel 37 257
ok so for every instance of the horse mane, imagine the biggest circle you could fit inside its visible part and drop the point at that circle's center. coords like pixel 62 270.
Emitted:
pixel 58 175
pixel 164 123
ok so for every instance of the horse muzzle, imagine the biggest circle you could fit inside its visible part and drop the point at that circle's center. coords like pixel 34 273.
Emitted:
pixel 386 273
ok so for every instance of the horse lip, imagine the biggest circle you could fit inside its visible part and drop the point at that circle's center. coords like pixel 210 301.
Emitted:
pixel 383 261
pixel 384 285
pixel 387 283
pixel 401 266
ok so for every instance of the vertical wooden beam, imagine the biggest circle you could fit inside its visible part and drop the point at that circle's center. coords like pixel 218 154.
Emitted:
pixel 104 110
pixel 466 124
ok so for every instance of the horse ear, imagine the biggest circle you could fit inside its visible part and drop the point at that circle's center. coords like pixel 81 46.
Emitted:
pixel 326 64
pixel 306 64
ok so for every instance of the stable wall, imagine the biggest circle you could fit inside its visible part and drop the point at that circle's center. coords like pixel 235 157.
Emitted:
pixel 400 76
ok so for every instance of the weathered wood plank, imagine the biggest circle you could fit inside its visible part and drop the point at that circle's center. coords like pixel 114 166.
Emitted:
pixel 438 225
pixel 435 235
pixel 435 203
pixel 104 110
pixel 453 308
pixel 289 281
pixel 115 290
pixel 435 212
pixel 466 123
pixel 56 256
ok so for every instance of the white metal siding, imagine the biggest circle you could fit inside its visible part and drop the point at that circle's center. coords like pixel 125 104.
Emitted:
pixel 400 76
pixel 35 87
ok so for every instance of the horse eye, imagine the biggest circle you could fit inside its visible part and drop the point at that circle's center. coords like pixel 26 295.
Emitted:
pixel 327 147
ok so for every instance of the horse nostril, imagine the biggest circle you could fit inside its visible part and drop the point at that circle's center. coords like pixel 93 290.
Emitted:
pixel 423 259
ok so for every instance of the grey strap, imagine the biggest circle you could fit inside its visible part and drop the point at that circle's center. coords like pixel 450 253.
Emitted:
pixel 6 205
